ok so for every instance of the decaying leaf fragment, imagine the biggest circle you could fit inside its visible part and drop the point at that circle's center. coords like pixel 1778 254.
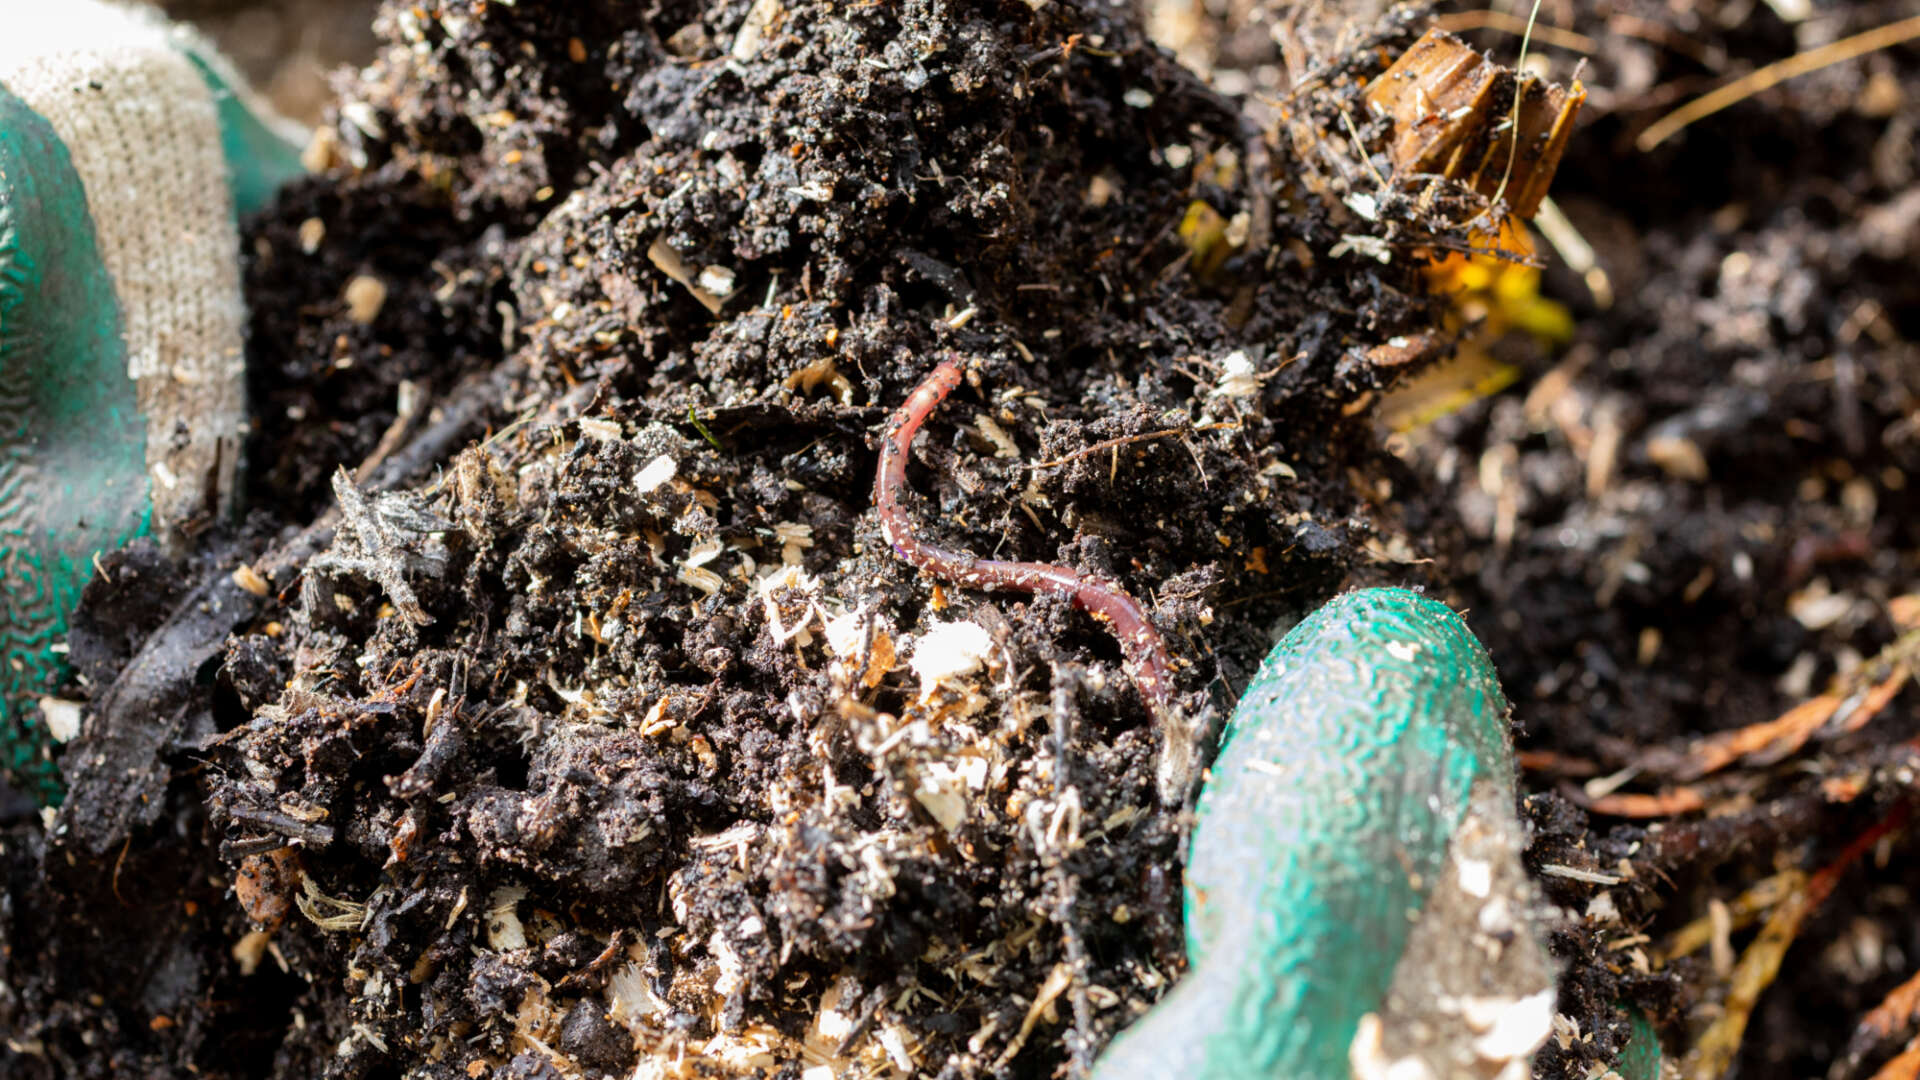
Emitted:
pixel 1453 115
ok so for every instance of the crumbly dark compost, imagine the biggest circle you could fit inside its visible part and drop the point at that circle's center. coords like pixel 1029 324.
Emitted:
pixel 618 738
pixel 585 724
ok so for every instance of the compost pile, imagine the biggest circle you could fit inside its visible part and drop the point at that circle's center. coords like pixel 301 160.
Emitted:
pixel 559 709
pixel 616 720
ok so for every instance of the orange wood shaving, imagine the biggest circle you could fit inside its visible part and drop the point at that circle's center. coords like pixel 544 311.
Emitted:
pixel 1550 761
pixel 1877 699
pixel 1779 737
pixel 1904 1066
pixel 1898 1009
pixel 1680 800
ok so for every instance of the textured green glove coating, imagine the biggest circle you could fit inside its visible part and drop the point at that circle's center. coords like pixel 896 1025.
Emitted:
pixel 73 477
pixel 1642 1059
pixel 258 159
pixel 1342 776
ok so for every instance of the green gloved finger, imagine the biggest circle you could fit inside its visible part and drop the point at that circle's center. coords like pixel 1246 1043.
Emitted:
pixel 125 156
pixel 1642 1059
pixel 1371 742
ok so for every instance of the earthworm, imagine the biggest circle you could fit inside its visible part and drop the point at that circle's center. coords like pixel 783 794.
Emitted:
pixel 1140 641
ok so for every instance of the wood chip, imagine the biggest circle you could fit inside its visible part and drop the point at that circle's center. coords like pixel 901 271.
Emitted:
pixel 1449 117
pixel 365 296
pixel 669 262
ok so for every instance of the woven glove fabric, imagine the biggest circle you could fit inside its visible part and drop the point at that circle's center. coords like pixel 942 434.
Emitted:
pixel 126 155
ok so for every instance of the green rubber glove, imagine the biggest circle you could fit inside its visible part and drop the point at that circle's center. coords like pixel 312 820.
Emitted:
pixel 1357 821
pixel 128 149
pixel 1642 1059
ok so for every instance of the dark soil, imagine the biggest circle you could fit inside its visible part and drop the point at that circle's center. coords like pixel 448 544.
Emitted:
pixel 1764 311
pixel 591 684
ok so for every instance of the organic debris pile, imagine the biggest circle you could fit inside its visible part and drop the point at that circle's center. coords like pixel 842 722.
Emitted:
pixel 620 734
pixel 561 711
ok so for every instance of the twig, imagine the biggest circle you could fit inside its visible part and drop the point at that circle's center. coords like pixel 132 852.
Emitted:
pixel 1894 1015
pixel 1661 804
pixel 411 397
pixel 1760 963
pixel 1710 841
pixel 1902 1066
pixel 1066 681
pixel 1850 705
pixel 1259 161
pixel 1513 24
pixel 1520 84
pixel 1123 440
pixel 1774 74
pixel 1745 910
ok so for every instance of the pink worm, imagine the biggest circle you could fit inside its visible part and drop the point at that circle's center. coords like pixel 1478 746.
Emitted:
pixel 1140 642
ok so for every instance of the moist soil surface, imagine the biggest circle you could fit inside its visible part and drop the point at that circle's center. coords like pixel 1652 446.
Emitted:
pixel 559 709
